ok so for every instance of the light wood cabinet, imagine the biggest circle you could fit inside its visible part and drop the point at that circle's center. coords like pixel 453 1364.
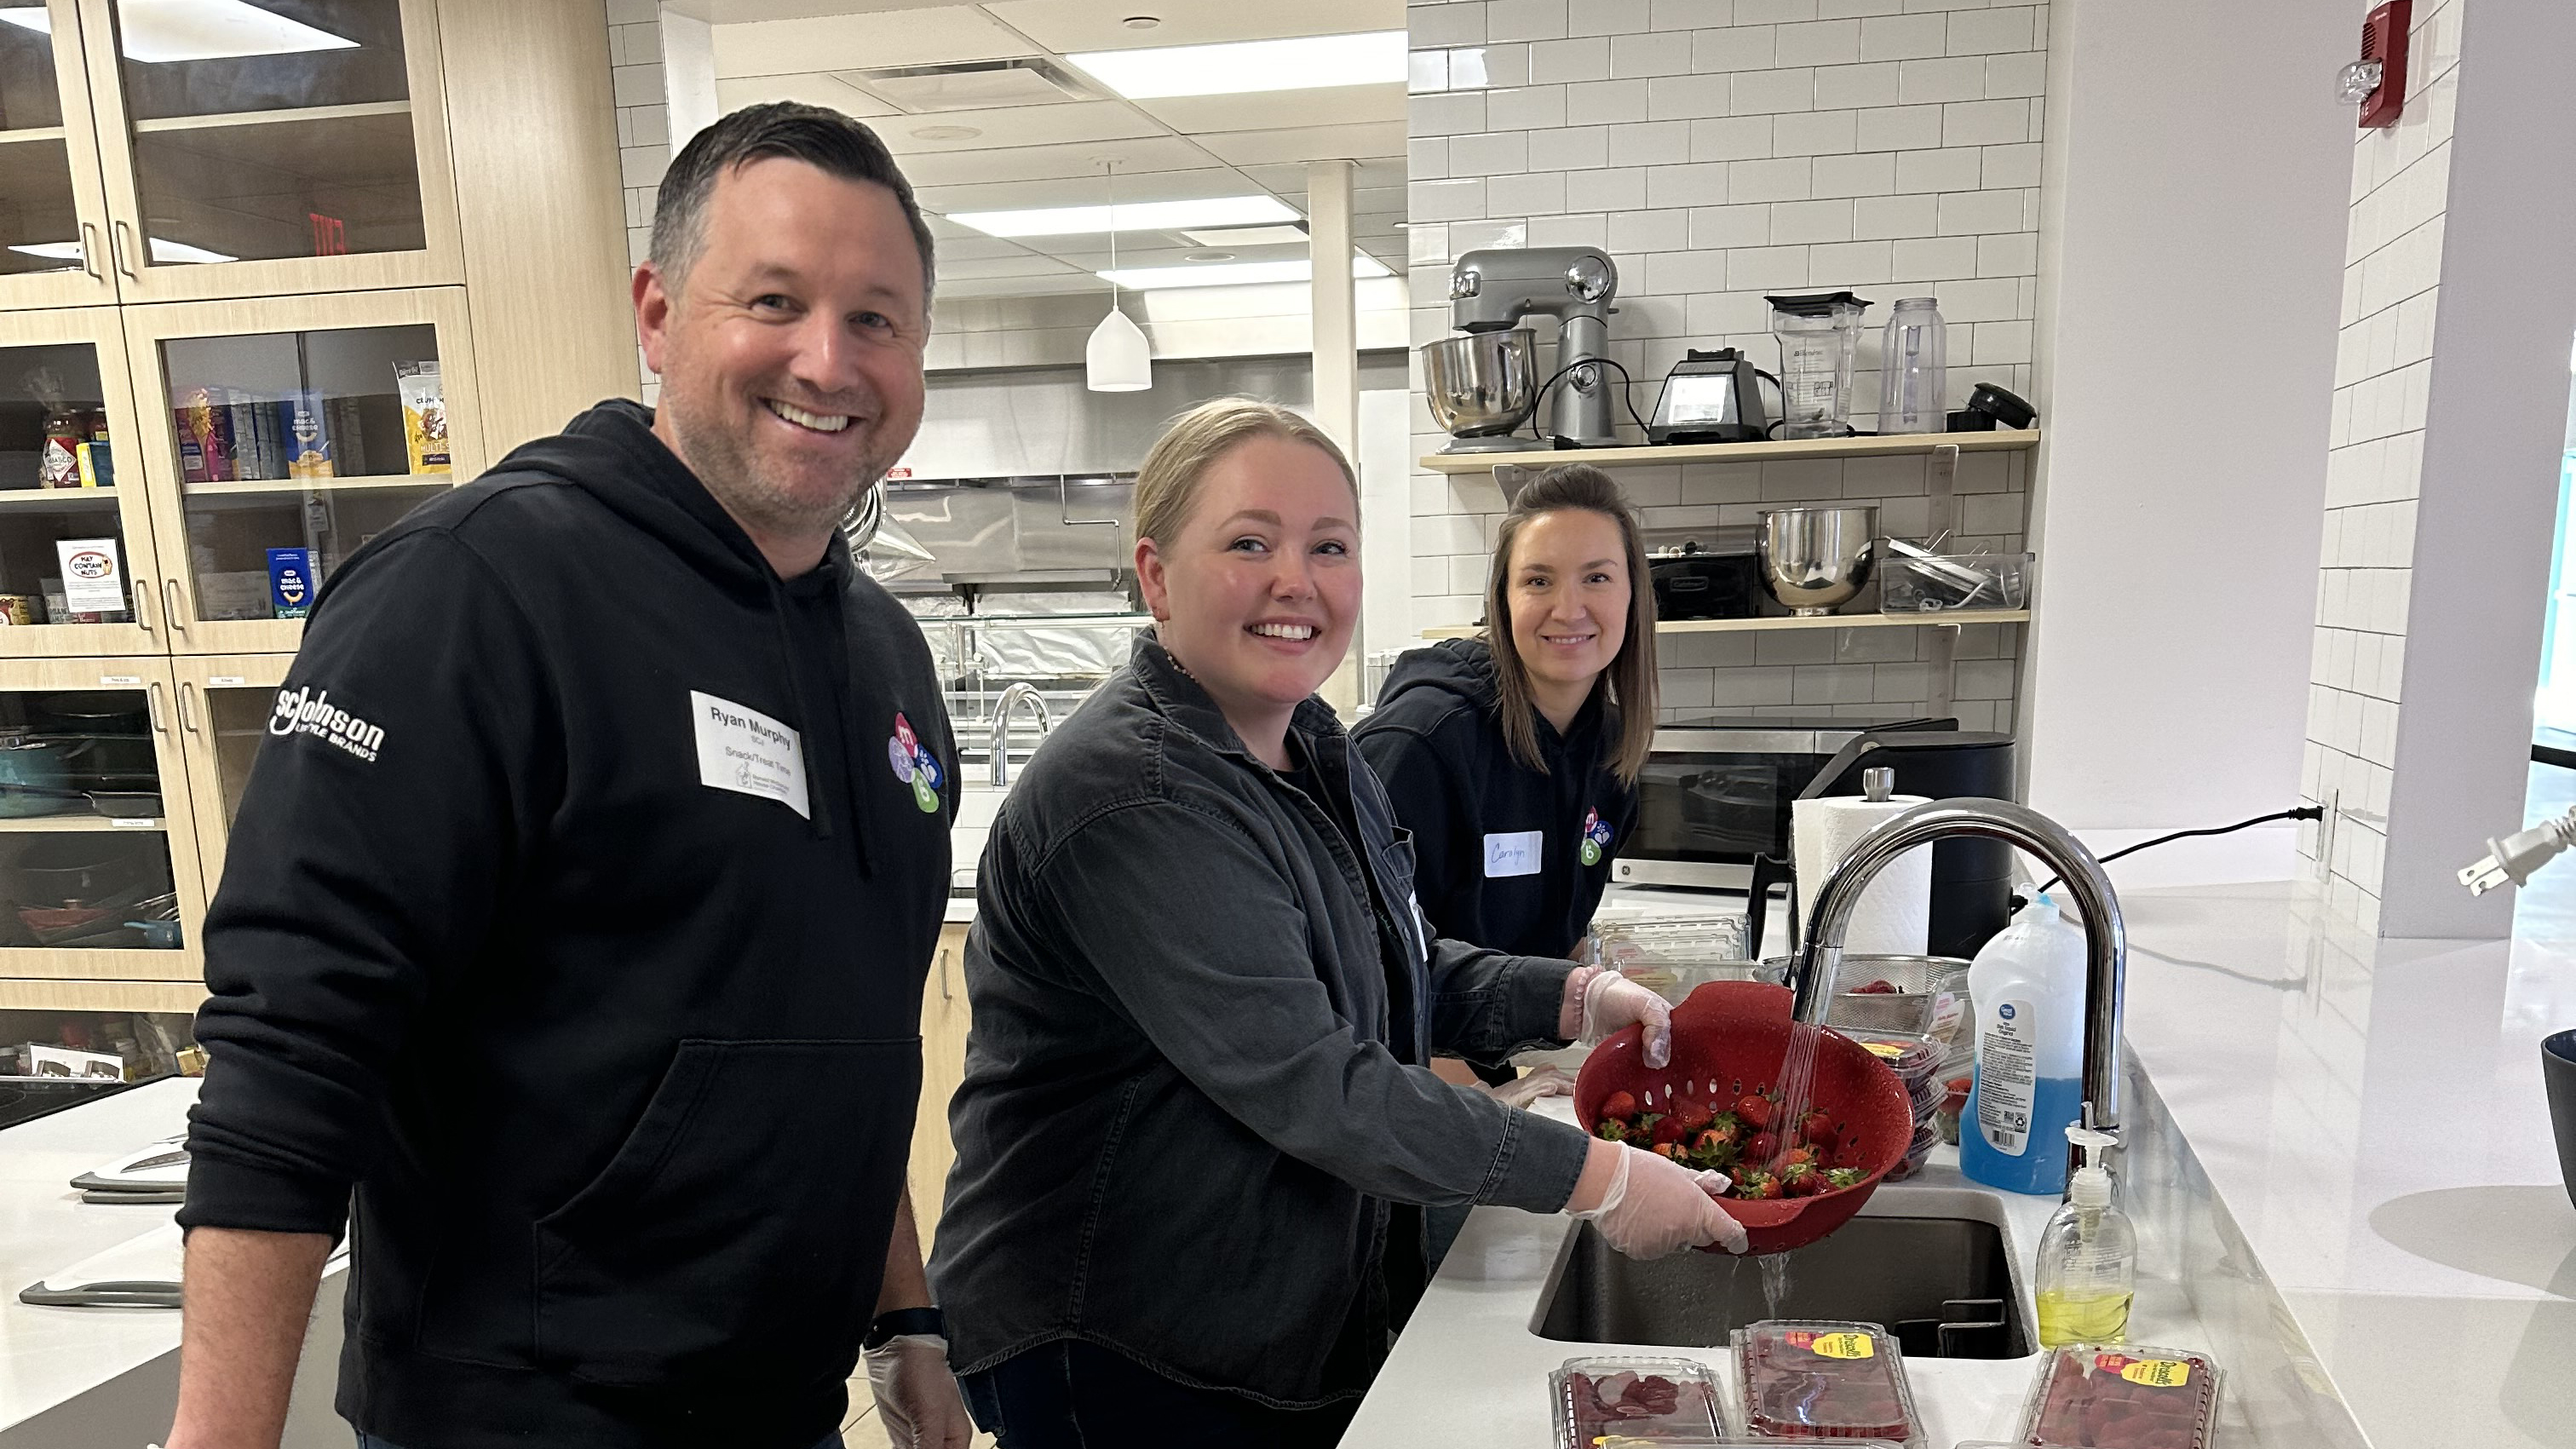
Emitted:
pixel 944 1019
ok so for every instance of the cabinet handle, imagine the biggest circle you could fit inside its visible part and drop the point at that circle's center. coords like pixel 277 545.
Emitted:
pixel 187 716
pixel 89 251
pixel 142 603
pixel 117 234
pixel 943 975
pixel 152 697
pixel 170 606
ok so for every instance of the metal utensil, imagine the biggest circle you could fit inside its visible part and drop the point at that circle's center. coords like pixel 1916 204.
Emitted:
pixel 1481 385
pixel 1814 559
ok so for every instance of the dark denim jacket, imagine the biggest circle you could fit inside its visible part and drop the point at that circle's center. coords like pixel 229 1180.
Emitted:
pixel 1196 1077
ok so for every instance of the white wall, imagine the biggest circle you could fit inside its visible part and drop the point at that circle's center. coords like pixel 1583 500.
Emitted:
pixel 2193 244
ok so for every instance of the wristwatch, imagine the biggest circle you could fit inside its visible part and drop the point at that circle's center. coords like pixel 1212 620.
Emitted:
pixel 890 1326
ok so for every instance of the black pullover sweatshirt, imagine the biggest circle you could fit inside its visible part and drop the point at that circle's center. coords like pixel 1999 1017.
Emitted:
pixel 529 935
pixel 1497 846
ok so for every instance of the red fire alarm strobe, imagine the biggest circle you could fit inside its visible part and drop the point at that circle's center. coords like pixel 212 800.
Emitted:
pixel 2377 81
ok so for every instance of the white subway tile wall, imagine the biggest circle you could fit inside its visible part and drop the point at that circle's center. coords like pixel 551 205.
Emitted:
pixel 2383 369
pixel 1719 150
pixel 643 130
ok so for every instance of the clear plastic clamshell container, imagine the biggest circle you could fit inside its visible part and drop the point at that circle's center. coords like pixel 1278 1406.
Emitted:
pixel 1821 1379
pixel 1659 1401
pixel 1674 958
pixel 2122 1396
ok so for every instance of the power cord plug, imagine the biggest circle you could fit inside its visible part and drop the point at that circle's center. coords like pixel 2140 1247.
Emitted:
pixel 2513 859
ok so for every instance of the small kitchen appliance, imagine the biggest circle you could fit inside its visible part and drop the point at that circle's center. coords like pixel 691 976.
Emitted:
pixel 1819 336
pixel 1712 397
pixel 1490 291
pixel 1481 386
pixel 1705 574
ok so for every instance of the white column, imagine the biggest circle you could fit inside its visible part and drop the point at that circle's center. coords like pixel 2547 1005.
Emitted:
pixel 1335 307
pixel 688 74
pixel 2441 486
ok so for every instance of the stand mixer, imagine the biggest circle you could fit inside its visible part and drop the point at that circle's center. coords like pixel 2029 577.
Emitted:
pixel 1483 385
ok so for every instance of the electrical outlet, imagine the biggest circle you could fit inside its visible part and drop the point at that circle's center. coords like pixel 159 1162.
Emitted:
pixel 2332 803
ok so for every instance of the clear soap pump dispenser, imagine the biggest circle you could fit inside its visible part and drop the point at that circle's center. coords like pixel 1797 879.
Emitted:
pixel 2088 1256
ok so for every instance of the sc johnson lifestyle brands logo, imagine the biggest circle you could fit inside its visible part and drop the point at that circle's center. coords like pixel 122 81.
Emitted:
pixel 301 711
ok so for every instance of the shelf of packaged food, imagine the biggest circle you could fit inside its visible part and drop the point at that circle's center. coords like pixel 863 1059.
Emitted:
pixel 386 483
pixel 1783 450
pixel 228 119
pixel 31 133
pixel 44 824
pixel 1954 619
pixel 46 500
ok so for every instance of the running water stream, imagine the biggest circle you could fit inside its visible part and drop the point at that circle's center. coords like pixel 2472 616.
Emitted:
pixel 1775 1282
pixel 1796 1084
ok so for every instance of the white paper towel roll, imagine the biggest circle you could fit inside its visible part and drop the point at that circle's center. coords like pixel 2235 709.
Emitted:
pixel 1895 914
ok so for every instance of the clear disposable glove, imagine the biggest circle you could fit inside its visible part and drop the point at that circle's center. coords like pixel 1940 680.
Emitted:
pixel 1656 1207
pixel 1530 1086
pixel 916 1395
pixel 1605 1001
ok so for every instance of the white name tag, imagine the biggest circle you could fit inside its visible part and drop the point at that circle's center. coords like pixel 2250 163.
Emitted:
pixel 743 750
pixel 1513 854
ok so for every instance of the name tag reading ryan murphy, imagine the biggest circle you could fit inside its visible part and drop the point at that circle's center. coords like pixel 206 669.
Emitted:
pixel 743 750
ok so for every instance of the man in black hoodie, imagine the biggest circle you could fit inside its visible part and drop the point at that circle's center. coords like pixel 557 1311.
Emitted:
pixel 570 946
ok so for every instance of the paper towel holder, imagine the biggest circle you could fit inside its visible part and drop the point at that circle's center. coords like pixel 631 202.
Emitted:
pixel 1877 784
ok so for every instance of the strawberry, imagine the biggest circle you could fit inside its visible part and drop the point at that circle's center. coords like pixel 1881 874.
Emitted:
pixel 1755 1110
pixel 1818 1129
pixel 1619 1104
pixel 1875 988
pixel 1763 1147
pixel 1799 1157
pixel 1693 1115
pixel 1675 1128
pixel 1611 1130
pixel 1712 1140
pixel 1756 1184
pixel 1839 1178
pixel 1805 1184
pixel 1668 1149
pixel 1725 1129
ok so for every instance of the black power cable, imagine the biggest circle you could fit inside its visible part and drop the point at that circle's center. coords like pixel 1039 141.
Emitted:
pixel 1627 391
pixel 2304 812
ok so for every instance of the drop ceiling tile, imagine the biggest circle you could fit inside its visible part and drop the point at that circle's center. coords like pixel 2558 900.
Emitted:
pixel 1067 26
pixel 932 36
pixel 1066 283
pixel 1023 265
pixel 1023 126
pixel 814 89
pixel 738 12
pixel 1089 191
pixel 1305 143
pixel 1274 110
pixel 1135 157
pixel 966 244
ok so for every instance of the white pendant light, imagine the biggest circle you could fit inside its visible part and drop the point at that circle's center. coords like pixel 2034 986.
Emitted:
pixel 1118 358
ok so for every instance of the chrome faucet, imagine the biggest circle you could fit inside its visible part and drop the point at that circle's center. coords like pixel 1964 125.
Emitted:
pixel 998 751
pixel 2106 944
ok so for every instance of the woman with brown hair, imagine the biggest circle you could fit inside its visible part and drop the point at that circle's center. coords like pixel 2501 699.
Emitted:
pixel 1197 1125
pixel 1513 757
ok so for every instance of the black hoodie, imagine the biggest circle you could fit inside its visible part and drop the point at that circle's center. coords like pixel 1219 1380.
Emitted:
pixel 1497 846
pixel 528 935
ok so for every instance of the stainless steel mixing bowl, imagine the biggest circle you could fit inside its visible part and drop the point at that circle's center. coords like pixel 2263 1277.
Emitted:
pixel 1481 384
pixel 1816 558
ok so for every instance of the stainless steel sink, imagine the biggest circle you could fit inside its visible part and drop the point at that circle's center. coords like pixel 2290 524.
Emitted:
pixel 1942 1281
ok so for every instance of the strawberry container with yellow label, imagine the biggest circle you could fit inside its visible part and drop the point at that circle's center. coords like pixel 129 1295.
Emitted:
pixel 1823 1379
pixel 1661 1401
pixel 2122 1396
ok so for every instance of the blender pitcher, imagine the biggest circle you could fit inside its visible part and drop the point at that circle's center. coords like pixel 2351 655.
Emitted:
pixel 1912 376
pixel 1819 336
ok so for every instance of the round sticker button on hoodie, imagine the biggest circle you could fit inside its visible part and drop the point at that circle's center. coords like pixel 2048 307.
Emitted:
pixel 914 765
pixel 1596 836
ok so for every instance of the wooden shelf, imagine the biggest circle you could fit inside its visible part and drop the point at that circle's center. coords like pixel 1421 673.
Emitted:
pixel 284 116
pixel 1955 619
pixel 1999 441
pixel 46 500
pixel 51 824
pixel 389 483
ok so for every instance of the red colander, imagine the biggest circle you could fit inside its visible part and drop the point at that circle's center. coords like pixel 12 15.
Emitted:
pixel 1729 1038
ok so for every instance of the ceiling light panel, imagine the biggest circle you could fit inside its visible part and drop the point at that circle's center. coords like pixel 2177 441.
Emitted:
pixel 1249 236
pixel 1131 216
pixel 1228 274
pixel 1237 67
pixel 166 31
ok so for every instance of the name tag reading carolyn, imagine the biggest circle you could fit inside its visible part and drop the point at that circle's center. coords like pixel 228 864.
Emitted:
pixel 743 750
pixel 1515 853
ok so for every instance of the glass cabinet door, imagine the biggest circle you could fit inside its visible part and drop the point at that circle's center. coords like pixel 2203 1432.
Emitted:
pixel 281 448
pixel 77 570
pixel 98 870
pixel 272 145
pixel 224 703
pixel 53 213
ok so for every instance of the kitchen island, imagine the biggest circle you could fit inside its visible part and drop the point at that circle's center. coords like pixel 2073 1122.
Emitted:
pixel 2339 1158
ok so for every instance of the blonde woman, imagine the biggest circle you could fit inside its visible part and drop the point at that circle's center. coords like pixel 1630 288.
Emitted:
pixel 1197 1128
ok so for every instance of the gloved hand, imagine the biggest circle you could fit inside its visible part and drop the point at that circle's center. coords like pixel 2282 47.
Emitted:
pixel 1603 1001
pixel 916 1395
pixel 1655 1207
pixel 1530 1086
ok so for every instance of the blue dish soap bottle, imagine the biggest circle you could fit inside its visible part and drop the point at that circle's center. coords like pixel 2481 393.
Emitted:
pixel 2028 988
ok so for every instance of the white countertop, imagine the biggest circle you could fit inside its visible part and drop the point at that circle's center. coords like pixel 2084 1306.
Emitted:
pixel 2370 1190
pixel 47 1355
